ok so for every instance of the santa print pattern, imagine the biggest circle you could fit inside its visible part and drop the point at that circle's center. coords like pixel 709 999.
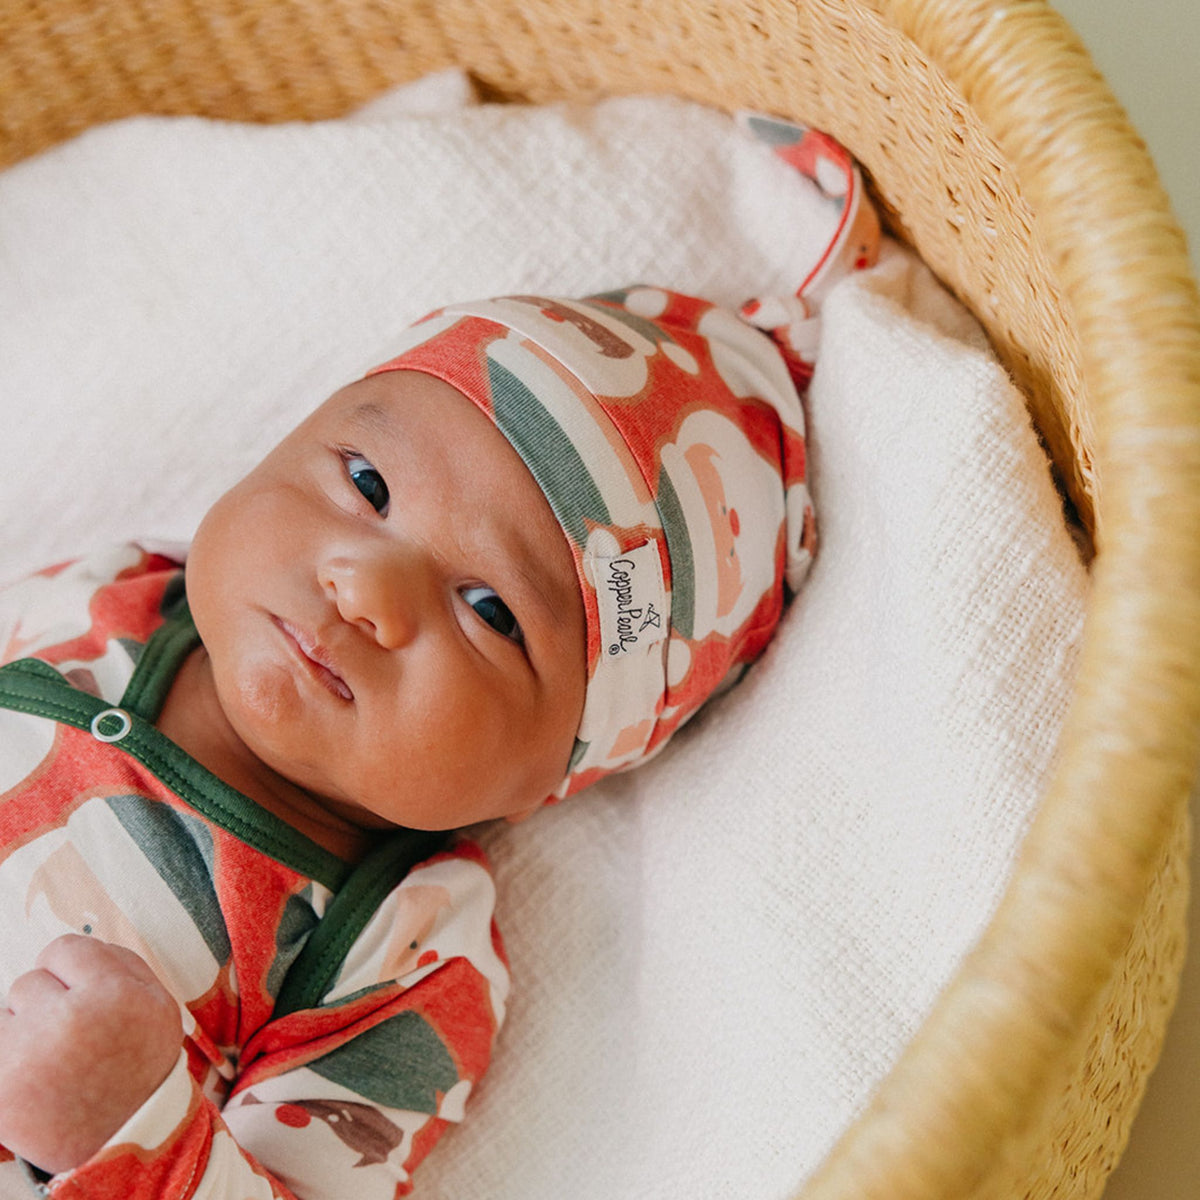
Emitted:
pixel 340 1094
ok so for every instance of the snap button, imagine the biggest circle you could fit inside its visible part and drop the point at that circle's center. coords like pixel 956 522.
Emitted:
pixel 111 725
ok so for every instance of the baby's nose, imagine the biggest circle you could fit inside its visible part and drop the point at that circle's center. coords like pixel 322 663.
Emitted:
pixel 380 593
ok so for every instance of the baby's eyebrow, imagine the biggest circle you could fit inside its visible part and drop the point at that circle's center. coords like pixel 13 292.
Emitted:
pixel 372 418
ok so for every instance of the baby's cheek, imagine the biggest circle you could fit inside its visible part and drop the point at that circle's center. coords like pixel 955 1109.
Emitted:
pixel 265 709
pixel 258 691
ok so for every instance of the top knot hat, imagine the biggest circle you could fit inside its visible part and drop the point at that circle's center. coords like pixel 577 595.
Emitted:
pixel 668 437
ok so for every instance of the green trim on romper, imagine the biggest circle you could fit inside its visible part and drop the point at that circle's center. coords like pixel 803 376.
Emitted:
pixel 32 686
pixel 160 659
pixel 316 966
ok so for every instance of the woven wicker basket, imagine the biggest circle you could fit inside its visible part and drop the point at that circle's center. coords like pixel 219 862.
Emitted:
pixel 997 151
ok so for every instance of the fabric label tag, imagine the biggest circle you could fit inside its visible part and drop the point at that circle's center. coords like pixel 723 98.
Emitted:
pixel 632 600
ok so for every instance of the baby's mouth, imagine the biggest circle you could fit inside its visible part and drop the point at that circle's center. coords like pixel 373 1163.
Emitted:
pixel 316 658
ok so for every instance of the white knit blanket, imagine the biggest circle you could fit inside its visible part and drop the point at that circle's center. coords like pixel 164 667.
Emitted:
pixel 716 957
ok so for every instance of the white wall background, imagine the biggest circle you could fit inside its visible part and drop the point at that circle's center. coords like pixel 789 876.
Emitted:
pixel 1150 54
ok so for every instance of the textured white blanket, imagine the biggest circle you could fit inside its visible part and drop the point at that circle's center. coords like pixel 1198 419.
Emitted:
pixel 718 956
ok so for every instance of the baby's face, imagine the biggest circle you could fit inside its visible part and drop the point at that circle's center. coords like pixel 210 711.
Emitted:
pixel 392 612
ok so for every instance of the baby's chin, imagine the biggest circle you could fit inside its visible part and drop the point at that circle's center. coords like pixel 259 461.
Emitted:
pixel 371 809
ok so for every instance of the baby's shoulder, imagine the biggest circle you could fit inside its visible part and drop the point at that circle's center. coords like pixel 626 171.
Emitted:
pixel 442 913
pixel 71 611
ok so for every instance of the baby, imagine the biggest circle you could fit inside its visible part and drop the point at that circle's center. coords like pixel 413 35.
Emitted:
pixel 243 956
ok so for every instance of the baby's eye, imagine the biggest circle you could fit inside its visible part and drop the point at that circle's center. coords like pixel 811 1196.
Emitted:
pixel 494 611
pixel 368 481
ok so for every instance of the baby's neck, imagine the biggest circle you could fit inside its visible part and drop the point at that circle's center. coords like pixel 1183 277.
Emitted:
pixel 192 717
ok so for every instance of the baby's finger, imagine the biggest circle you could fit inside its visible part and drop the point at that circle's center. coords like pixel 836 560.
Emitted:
pixel 69 955
pixel 34 991
pixel 74 957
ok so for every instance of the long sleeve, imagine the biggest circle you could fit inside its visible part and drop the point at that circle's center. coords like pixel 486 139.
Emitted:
pixel 344 1098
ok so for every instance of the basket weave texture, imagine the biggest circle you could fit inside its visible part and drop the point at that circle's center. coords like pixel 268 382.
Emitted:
pixel 997 151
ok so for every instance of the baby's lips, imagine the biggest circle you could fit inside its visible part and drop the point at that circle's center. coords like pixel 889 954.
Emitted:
pixel 318 658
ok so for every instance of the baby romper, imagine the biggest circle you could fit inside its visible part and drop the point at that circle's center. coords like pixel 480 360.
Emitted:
pixel 335 1016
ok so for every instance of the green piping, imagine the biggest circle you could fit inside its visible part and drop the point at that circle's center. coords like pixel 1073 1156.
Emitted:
pixel 29 685
pixel 32 686
pixel 316 966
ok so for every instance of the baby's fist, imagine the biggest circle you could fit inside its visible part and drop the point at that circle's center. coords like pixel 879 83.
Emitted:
pixel 85 1040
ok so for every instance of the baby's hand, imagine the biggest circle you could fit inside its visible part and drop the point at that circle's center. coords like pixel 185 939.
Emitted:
pixel 85 1039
